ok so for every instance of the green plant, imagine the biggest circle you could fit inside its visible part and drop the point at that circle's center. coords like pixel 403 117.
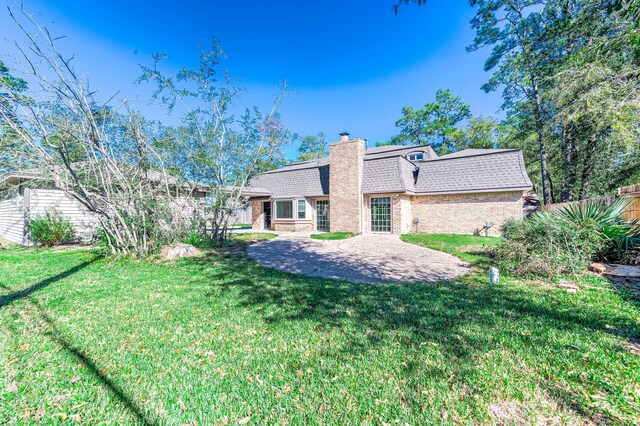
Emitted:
pixel 51 229
pixel 544 245
pixel 607 220
pixel 220 337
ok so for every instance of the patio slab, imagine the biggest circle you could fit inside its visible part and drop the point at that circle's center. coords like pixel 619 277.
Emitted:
pixel 368 258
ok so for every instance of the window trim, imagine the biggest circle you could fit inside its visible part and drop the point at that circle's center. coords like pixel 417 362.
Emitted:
pixel 295 209
pixel 276 216
pixel 370 213
pixel 421 154
pixel 304 209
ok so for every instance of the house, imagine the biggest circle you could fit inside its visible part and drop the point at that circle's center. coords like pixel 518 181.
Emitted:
pixel 393 189
pixel 26 195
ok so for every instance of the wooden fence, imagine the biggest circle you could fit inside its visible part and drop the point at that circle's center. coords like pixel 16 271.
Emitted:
pixel 632 213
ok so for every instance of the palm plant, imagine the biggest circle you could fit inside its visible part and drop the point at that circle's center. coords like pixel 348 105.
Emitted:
pixel 606 219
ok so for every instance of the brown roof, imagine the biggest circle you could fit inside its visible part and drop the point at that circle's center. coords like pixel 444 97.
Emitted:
pixel 487 171
pixel 386 169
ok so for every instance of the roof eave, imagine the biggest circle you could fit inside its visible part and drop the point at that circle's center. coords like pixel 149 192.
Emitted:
pixel 388 191
pixel 476 191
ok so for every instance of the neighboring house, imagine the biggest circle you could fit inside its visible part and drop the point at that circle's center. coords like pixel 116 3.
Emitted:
pixel 26 196
pixel 393 189
pixel 24 200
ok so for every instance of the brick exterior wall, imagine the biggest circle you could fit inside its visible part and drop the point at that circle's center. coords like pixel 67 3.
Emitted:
pixel 465 213
pixel 346 162
pixel 257 215
pixel 292 226
pixel 401 219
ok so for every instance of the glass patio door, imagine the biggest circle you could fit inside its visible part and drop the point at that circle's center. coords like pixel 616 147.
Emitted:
pixel 322 215
pixel 381 214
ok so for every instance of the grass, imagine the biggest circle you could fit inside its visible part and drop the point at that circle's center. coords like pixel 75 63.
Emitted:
pixel 470 248
pixel 333 236
pixel 249 236
pixel 221 340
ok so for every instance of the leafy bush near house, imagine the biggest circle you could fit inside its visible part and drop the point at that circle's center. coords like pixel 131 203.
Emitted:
pixel 51 229
pixel 538 246
pixel 619 236
pixel 567 240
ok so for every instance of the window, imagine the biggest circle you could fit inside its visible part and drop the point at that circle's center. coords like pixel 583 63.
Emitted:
pixel 302 209
pixel 418 156
pixel 284 209
pixel 381 214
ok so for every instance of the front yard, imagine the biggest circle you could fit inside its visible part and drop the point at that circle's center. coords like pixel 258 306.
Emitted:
pixel 221 340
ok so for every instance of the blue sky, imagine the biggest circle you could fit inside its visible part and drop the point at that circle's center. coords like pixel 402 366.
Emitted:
pixel 353 64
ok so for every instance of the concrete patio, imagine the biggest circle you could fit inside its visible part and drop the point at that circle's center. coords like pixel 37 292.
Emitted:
pixel 368 258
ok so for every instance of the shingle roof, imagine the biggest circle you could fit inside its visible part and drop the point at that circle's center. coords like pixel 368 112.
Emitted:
pixel 303 165
pixel 395 150
pixel 386 169
pixel 472 151
pixel 311 181
pixel 486 171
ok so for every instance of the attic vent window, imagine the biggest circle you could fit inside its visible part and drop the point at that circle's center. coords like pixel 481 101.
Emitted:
pixel 418 156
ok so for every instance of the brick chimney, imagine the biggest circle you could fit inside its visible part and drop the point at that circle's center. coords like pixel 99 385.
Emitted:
pixel 346 161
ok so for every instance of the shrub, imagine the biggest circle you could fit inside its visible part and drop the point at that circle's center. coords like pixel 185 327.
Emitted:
pixel 619 236
pixel 566 240
pixel 51 229
pixel 541 246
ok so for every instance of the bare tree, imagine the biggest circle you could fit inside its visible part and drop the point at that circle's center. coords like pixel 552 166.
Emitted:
pixel 211 146
pixel 99 152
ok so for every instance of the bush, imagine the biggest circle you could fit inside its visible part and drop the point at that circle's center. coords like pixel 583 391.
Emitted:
pixel 568 239
pixel 620 236
pixel 542 246
pixel 51 229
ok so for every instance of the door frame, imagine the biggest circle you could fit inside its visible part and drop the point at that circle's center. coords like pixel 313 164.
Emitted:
pixel 264 216
pixel 390 197
pixel 315 213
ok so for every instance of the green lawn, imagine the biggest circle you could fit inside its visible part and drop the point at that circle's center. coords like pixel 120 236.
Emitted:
pixel 249 236
pixel 470 248
pixel 220 340
pixel 333 236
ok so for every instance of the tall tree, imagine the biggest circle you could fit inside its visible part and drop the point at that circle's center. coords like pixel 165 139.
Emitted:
pixel 98 154
pixel 596 91
pixel 313 147
pixel 512 29
pixel 568 72
pixel 478 133
pixel 13 152
pixel 435 124
pixel 212 146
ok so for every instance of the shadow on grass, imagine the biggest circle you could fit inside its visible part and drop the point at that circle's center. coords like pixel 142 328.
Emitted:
pixel 7 299
pixel 308 257
pixel 464 318
pixel 58 337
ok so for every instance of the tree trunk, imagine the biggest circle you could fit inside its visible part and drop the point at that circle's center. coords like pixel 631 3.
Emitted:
pixel 568 130
pixel 568 162
pixel 587 165
pixel 537 110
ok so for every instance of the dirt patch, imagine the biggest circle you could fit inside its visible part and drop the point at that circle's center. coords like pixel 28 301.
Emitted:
pixel 508 412
pixel 543 411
